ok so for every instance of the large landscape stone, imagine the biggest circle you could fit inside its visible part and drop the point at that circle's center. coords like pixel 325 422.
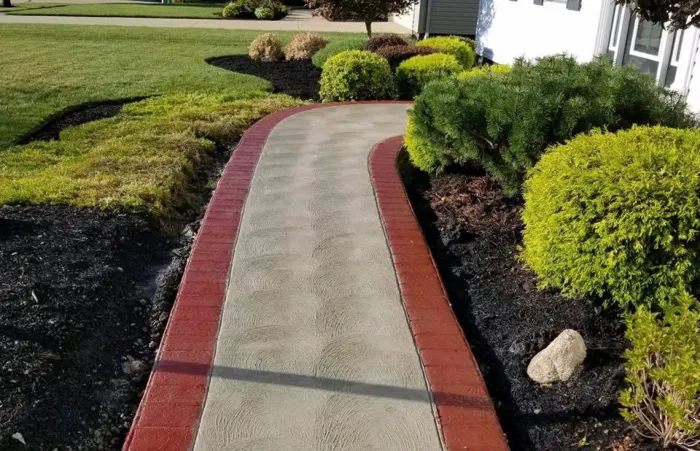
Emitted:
pixel 559 360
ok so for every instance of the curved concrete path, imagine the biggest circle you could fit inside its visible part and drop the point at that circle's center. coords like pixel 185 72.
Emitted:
pixel 312 349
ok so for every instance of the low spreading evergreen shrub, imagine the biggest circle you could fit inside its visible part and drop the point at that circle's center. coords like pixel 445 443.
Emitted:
pixel 505 123
pixel 416 72
pixel 454 46
pixel 356 75
pixel 335 47
pixel 616 215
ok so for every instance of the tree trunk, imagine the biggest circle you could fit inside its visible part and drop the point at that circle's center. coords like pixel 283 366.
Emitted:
pixel 368 26
pixel 7 3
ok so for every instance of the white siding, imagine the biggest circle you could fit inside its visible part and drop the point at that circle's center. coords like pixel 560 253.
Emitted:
pixel 694 82
pixel 510 29
pixel 409 20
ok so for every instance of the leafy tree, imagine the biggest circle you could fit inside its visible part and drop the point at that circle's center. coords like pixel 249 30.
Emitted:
pixel 367 11
pixel 678 14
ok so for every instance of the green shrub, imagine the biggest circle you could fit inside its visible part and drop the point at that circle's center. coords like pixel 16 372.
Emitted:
pixel 384 40
pixel 397 54
pixel 356 75
pixel 416 72
pixel 335 47
pixel 233 9
pixel 454 46
pixel 505 123
pixel 616 214
pixel 663 365
pixel 493 69
pixel 264 13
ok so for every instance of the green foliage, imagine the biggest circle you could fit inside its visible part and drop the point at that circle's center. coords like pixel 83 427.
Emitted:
pixel 264 13
pixel 416 72
pixel 335 47
pixel 384 40
pixel 397 54
pixel 505 123
pixel 663 364
pixel 356 75
pixel 233 9
pixel 454 46
pixel 140 160
pixel 493 69
pixel 617 214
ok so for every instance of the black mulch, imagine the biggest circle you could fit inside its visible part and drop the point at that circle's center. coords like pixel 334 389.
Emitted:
pixel 474 233
pixel 298 78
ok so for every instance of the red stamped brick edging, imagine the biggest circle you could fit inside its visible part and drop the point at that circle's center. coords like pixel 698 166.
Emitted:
pixel 169 413
pixel 465 413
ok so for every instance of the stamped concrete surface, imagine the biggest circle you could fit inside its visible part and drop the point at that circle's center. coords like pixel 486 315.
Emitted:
pixel 314 350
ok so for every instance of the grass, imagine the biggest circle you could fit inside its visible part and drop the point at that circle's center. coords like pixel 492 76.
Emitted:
pixel 26 6
pixel 49 68
pixel 141 160
pixel 127 10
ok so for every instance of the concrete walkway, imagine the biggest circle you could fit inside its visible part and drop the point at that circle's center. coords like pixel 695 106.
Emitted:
pixel 311 316
pixel 297 20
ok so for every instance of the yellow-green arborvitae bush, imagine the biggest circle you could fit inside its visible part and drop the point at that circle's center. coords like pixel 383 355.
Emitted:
pixel 356 75
pixel 616 215
pixel 454 46
pixel 414 73
pixel 494 69
pixel 662 401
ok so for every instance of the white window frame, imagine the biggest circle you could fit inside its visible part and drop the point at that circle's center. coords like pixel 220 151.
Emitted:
pixel 649 56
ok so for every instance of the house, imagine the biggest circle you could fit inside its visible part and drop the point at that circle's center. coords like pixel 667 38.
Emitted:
pixel 508 29
pixel 441 17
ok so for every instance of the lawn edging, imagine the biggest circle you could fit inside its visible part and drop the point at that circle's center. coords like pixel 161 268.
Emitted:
pixel 170 409
pixel 463 408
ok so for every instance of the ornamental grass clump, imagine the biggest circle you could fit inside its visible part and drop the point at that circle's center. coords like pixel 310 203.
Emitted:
pixel 356 75
pixel 266 47
pixel 616 215
pixel 504 123
pixel 304 45
pixel 452 45
pixel 416 72
pixel 662 401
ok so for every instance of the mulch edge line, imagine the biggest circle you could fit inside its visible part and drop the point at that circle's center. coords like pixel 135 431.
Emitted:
pixel 463 408
pixel 170 410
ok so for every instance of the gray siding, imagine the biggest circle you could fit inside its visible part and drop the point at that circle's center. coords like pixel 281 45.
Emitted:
pixel 452 16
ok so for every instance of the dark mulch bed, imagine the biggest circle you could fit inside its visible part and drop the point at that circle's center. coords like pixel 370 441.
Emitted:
pixel 296 78
pixel 474 233
pixel 75 116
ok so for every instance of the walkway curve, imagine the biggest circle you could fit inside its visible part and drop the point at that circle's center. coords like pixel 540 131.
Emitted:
pixel 289 330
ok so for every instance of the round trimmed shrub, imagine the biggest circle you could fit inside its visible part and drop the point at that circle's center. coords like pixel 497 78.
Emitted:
pixel 454 46
pixel 266 47
pixel 304 45
pixel 397 54
pixel 617 215
pixel 264 13
pixel 233 9
pixel 416 72
pixel 335 47
pixel 384 40
pixel 356 75
pixel 494 69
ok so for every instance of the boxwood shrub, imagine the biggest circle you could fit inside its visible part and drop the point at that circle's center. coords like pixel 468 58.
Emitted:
pixel 335 47
pixel 416 72
pixel 454 46
pixel 505 123
pixel 617 215
pixel 356 75
pixel 397 54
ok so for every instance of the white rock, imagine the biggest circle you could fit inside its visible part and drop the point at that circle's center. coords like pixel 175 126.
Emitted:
pixel 18 436
pixel 558 361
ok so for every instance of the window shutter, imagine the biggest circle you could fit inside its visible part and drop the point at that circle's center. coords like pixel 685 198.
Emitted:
pixel 539 2
pixel 574 5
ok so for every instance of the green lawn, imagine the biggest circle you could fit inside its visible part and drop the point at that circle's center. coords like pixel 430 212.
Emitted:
pixel 49 68
pixel 127 10
pixel 26 6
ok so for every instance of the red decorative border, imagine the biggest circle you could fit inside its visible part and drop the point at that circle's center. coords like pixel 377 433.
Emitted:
pixel 169 413
pixel 465 413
